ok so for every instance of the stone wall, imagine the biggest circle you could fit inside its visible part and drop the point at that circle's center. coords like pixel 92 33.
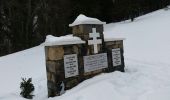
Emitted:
pixel 55 64
pixel 109 45
pixel 55 67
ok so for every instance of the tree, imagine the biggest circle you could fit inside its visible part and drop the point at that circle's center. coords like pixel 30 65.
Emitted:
pixel 27 88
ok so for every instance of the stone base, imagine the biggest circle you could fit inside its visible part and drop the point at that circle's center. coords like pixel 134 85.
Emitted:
pixel 55 64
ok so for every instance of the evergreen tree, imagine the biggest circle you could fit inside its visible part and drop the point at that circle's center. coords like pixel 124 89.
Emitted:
pixel 27 88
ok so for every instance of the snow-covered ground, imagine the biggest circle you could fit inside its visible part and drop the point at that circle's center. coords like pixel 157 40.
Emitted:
pixel 147 55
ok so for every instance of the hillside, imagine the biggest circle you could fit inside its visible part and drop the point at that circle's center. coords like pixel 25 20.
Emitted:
pixel 147 54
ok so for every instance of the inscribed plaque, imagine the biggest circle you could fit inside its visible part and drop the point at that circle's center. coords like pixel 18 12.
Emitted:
pixel 70 65
pixel 95 62
pixel 116 57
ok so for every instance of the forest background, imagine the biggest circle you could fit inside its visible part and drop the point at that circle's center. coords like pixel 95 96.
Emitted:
pixel 25 23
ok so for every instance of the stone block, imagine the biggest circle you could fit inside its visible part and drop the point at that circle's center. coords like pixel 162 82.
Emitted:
pixel 51 85
pixel 76 49
pixel 88 73
pixel 46 52
pixel 53 78
pixel 48 76
pixel 68 49
pixel 55 53
pixel 51 66
pixel 93 73
pixel 71 83
pixel 51 89
pixel 58 65
pixel 97 71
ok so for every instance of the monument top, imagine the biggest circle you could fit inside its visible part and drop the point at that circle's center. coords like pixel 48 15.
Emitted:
pixel 62 40
pixel 82 19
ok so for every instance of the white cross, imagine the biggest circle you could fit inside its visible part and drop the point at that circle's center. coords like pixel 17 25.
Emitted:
pixel 95 41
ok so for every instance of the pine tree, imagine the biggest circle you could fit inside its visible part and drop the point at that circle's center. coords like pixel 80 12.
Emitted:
pixel 27 88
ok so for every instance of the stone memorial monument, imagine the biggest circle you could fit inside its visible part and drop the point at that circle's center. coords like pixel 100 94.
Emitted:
pixel 71 62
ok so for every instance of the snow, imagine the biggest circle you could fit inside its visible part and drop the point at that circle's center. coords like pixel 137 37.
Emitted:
pixel 82 19
pixel 69 39
pixel 146 77
pixel 28 63
pixel 62 40
pixel 147 35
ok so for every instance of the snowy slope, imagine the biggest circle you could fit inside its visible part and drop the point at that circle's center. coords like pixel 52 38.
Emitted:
pixel 147 55
pixel 147 37
pixel 28 63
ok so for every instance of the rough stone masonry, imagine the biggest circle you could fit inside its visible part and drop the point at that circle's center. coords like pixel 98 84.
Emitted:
pixel 71 62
